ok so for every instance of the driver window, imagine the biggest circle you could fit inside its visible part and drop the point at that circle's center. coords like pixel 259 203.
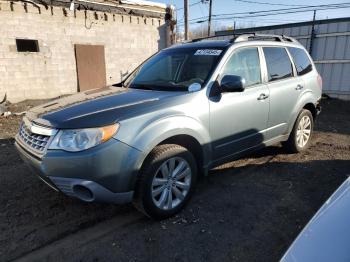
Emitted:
pixel 246 64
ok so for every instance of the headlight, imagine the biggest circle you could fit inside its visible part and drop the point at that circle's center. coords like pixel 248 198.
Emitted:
pixel 74 140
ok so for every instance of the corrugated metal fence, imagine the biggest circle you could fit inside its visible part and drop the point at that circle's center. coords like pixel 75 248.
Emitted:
pixel 330 49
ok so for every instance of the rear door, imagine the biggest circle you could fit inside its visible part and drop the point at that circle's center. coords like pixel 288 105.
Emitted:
pixel 284 89
pixel 238 120
pixel 304 69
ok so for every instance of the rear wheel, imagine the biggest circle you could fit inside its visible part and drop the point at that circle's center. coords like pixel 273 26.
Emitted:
pixel 166 182
pixel 299 139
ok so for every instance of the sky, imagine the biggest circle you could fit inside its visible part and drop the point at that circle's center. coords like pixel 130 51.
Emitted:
pixel 233 6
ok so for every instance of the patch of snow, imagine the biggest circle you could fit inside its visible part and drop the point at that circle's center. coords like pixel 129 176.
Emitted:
pixel 143 3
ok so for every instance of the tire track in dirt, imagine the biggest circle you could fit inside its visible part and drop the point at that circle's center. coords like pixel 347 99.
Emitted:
pixel 80 238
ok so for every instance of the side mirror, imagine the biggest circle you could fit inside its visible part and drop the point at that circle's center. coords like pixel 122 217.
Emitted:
pixel 232 83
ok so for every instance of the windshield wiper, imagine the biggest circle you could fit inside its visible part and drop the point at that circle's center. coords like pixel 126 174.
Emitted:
pixel 160 86
pixel 120 84
pixel 141 86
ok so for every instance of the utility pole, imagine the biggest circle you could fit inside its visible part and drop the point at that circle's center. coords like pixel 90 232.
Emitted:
pixel 177 29
pixel 186 18
pixel 209 20
pixel 312 33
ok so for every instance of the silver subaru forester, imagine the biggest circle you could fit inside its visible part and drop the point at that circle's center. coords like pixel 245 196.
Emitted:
pixel 185 110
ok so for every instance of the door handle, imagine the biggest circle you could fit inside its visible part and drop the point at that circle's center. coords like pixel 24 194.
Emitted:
pixel 262 96
pixel 299 87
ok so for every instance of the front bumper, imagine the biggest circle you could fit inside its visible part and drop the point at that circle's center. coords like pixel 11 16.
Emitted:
pixel 105 173
pixel 90 191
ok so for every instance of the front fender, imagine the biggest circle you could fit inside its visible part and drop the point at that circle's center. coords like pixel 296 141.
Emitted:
pixel 148 137
pixel 167 127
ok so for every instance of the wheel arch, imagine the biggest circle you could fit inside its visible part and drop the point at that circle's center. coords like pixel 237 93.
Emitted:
pixel 312 108
pixel 180 130
pixel 191 144
pixel 306 101
pixel 187 141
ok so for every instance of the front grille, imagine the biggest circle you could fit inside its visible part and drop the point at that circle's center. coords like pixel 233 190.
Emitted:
pixel 34 142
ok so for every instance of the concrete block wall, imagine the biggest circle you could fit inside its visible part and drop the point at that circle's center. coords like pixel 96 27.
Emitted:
pixel 128 41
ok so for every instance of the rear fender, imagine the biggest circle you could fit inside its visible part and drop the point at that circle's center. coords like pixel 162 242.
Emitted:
pixel 307 97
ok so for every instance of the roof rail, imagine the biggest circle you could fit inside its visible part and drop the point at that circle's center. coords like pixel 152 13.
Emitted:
pixel 239 37
pixel 255 36
pixel 212 36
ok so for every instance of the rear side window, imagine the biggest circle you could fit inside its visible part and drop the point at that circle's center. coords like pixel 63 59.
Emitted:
pixel 301 60
pixel 278 63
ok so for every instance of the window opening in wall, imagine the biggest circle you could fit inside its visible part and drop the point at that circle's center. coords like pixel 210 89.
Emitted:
pixel 27 45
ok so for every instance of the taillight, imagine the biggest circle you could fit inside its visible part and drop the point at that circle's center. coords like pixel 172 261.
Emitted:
pixel 319 80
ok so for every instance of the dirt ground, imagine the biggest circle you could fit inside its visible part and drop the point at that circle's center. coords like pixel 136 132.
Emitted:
pixel 247 210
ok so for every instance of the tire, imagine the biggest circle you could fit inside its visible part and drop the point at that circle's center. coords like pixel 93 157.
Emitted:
pixel 294 144
pixel 155 185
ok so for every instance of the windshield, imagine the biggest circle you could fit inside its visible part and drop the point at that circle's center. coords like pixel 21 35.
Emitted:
pixel 175 70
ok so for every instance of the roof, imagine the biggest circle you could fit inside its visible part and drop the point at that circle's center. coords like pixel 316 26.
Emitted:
pixel 203 44
pixel 260 39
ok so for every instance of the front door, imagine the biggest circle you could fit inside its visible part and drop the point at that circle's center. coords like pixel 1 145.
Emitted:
pixel 238 120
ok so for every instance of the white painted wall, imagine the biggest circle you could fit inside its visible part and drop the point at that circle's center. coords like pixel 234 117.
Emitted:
pixel 128 40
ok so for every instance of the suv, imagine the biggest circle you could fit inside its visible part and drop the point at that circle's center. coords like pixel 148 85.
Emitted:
pixel 185 110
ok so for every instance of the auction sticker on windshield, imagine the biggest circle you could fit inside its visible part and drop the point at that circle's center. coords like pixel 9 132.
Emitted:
pixel 214 52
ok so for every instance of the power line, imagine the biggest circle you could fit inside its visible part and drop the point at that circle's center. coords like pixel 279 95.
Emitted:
pixel 265 3
pixel 254 14
pixel 265 21
pixel 280 11
pixel 259 15
pixel 196 3
pixel 263 13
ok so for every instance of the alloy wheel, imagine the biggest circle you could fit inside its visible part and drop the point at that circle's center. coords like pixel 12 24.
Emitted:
pixel 303 131
pixel 171 183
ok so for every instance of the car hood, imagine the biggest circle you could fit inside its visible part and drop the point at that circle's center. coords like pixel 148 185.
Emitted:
pixel 98 107
pixel 326 237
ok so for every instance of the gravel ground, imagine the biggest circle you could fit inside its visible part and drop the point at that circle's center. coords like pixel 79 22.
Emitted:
pixel 247 210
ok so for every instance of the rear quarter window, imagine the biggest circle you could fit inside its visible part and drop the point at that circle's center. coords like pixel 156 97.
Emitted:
pixel 278 63
pixel 301 60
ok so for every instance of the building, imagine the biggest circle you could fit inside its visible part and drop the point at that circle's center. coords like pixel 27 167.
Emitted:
pixel 50 48
pixel 328 42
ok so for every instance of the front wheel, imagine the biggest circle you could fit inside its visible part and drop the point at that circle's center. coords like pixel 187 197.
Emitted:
pixel 166 181
pixel 299 139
